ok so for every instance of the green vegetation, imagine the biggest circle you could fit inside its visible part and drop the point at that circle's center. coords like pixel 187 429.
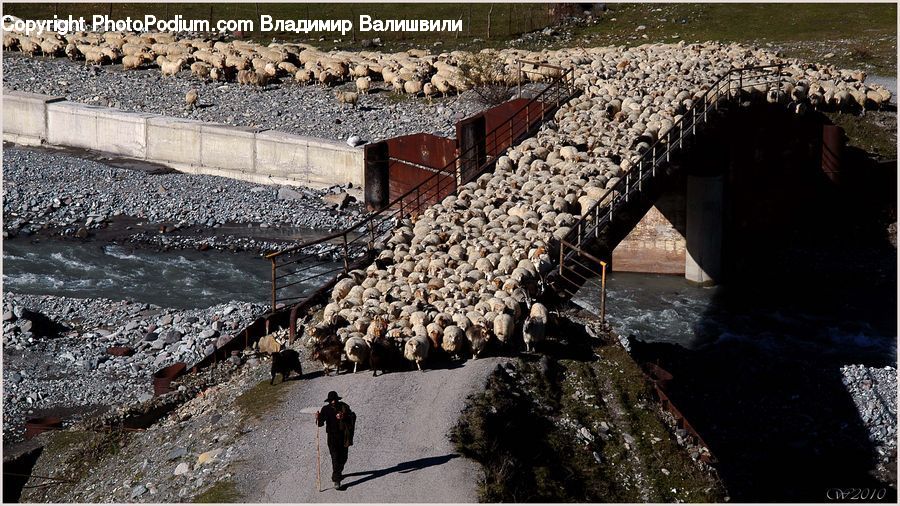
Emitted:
pixel 495 22
pixel 72 455
pixel 875 132
pixel 219 492
pixel 856 35
pixel 261 398
pixel 526 430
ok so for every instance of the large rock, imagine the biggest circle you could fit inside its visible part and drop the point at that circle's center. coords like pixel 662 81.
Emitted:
pixel 176 453
pixel 138 491
pixel 208 333
pixel 341 200
pixel 171 336
pixel 289 194
pixel 209 456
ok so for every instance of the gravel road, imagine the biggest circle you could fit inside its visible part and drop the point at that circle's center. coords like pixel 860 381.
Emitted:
pixel 401 451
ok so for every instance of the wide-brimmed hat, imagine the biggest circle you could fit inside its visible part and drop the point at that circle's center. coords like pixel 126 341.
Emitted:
pixel 333 396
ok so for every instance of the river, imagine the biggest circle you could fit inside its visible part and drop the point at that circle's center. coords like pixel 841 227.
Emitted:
pixel 182 279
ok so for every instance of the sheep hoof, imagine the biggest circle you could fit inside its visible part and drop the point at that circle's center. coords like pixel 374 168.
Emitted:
pixel 354 368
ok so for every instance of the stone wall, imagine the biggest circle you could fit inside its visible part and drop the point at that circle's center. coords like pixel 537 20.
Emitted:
pixel 657 242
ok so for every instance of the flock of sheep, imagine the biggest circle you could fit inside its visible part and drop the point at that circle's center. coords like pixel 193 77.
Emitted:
pixel 413 72
pixel 464 273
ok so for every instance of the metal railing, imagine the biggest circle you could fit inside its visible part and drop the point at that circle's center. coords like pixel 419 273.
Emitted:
pixel 302 269
pixel 752 83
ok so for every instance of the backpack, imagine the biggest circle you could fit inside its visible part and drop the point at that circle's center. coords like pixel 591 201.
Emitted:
pixel 347 424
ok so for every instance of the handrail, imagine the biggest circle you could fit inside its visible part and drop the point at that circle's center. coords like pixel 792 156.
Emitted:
pixel 439 172
pixel 592 220
pixel 465 167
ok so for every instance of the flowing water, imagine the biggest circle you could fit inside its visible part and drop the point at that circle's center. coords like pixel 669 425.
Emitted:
pixel 181 279
pixel 756 371
pixel 667 309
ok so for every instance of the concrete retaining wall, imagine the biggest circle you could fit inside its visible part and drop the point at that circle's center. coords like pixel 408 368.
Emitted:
pixel 259 156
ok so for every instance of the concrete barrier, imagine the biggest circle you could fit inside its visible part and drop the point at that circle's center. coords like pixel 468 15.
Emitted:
pixel 173 141
pixel 282 156
pixel 227 147
pixel 25 117
pixel 266 157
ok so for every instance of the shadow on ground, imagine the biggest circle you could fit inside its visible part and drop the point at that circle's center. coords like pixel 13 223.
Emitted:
pixel 403 467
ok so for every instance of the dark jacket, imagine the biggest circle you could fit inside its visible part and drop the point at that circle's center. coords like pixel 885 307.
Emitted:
pixel 345 426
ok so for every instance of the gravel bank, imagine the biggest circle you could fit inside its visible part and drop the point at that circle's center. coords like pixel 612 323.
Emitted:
pixel 174 460
pixel 47 189
pixel 55 350
pixel 874 391
pixel 288 107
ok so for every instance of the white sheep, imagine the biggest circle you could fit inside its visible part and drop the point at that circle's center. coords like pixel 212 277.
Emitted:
pixel 363 84
pixel 416 350
pixel 170 68
pixel 357 350
pixel 504 326
pixel 347 97
pixel 191 97
pixel 535 327
pixel 454 340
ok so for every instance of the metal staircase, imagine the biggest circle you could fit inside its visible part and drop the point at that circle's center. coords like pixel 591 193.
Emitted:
pixel 601 228
pixel 305 270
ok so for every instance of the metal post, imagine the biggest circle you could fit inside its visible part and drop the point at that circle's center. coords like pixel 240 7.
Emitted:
pixel 627 184
pixel 519 81
pixel 273 283
pixel 562 245
pixel 640 174
pixel 603 292
pixel 669 145
pixel 346 255
pixel 653 164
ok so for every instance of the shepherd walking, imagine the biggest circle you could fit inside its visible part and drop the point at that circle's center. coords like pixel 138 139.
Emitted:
pixel 340 424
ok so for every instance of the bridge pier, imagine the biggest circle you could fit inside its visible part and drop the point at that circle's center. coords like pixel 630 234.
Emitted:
pixel 704 227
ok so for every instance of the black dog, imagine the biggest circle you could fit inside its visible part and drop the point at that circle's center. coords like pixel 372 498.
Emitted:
pixel 384 357
pixel 284 362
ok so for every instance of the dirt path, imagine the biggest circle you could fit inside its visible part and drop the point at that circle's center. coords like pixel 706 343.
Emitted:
pixel 401 451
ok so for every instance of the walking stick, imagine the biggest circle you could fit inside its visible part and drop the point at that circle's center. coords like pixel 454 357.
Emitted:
pixel 318 462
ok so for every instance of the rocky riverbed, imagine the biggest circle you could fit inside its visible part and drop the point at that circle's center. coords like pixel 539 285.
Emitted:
pixel 55 350
pixel 288 107
pixel 74 196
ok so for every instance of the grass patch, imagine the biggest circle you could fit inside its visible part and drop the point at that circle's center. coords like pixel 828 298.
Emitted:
pixel 219 492
pixel 263 397
pixel 874 132
pixel 73 455
pixel 685 481
pixel 856 34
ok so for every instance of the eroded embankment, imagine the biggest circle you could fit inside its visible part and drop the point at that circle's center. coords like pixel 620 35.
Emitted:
pixel 580 423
